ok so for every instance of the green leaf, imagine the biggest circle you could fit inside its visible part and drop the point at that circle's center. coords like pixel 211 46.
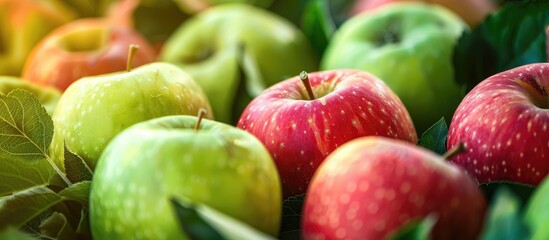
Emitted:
pixel 17 175
pixel 11 233
pixel 504 217
pixel 202 222
pixel 83 230
pixel 435 137
pixel 511 37
pixel 57 183
pixel 536 214
pixel 416 230
pixel 291 217
pixel 26 131
pixel 56 226
pixel 317 24
pixel 192 223
pixel 19 208
pixel 79 192
pixel 76 168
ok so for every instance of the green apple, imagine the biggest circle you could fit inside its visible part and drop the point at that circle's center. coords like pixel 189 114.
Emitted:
pixel 151 162
pixel 410 47
pixel 48 96
pixel 471 11
pixel 235 51
pixel 22 24
pixel 94 109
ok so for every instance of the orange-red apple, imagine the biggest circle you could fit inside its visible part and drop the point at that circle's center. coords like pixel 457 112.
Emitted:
pixel 84 47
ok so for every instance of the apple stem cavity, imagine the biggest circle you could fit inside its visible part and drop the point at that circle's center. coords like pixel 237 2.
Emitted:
pixel 304 76
pixel 459 148
pixel 131 55
pixel 201 113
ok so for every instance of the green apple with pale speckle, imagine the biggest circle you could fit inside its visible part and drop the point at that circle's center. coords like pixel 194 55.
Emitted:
pixel 154 161
pixel 409 46
pixel 94 109
pixel 235 51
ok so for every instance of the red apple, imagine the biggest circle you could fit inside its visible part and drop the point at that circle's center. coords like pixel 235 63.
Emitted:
pixel 471 11
pixel 300 132
pixel 372 186
pixel 504 124
pixel 82 48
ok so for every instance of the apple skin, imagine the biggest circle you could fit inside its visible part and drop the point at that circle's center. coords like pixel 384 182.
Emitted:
pixel 471 11
pixel 95 109
pixel 372 186
pixel 235 51
pixel 503 122
pixel 219 165
pixel 47 96
pixel 83 47
pixel 409 46
pixel 300 133
pixel 23 23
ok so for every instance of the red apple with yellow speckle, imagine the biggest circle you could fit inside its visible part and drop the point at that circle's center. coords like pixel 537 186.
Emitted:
pixel 300 131
pixel 504 123
pixel 371 187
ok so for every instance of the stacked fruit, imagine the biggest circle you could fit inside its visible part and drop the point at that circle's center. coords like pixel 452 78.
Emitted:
pixel 210 119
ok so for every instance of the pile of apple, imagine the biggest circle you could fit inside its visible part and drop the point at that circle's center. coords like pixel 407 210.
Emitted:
pixel 176 119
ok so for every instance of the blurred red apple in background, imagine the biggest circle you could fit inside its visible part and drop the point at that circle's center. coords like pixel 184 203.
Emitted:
pixel 300 131
pixel 82 48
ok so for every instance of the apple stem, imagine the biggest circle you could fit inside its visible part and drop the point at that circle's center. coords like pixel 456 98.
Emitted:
pixel 304 76
pixel 201 113
pixel 459 148
pixel 131 55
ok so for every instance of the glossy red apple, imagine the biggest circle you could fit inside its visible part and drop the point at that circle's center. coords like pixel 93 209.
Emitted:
pixel 82 48
pixel 372 186
pixel 300 131
pixel 504 123
pixel 471 11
